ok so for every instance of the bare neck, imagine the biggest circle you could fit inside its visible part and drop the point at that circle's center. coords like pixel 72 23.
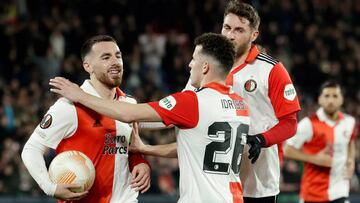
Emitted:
pixel 239 60
pixel 212 77
pixel 103 90
pixel 333 116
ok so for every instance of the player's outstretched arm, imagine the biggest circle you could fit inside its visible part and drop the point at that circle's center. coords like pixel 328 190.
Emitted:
pixel 322 158
pixel 121 111
pixel 166 150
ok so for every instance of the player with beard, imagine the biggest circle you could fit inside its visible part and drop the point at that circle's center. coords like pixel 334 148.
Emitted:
pixel 325 143
pixel 207 118
pixel 267 88
pixel 70 126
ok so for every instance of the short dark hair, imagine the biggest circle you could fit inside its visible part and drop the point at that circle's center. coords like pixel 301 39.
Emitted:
pixel 243 10
pixel 218 47
pixel 329 84
pixel 86 47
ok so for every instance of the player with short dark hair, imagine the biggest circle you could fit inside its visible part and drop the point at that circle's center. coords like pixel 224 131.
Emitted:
pixel 267 88
pixel 71 126
pixel 325 143
pixel 212 126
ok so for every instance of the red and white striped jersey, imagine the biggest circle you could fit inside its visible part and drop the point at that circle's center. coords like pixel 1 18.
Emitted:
pixel 267 88
pixel 322 184
pixel 68 126
pixel 210 140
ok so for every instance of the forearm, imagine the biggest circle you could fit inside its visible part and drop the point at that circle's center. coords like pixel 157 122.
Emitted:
pixel 33 158
pixel 166 150
pixel 118 110
pixel 351 152
pixel 153 126
pixel 296 154
pixel 282 131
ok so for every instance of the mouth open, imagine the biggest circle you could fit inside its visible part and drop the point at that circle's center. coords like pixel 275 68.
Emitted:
pixel 114 72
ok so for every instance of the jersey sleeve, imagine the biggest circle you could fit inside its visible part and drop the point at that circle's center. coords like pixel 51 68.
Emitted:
pixel 282 92
pixel 304 134
pixel 59 122
pixel 283 130
pixel 135 159
pixel 180 109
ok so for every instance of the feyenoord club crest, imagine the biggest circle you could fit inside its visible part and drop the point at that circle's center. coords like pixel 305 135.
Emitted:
pixel 250 85
pixel 46 121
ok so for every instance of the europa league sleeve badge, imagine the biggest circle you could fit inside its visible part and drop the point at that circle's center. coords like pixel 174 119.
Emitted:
pixel 46 121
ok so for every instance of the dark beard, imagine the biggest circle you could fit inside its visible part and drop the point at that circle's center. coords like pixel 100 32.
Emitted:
pixel 330 113
pixel 241 50
pixel 108 82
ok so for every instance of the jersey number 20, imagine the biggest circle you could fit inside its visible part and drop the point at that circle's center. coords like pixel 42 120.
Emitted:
pixel 223 147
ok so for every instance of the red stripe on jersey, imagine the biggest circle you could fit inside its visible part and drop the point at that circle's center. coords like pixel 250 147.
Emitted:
pixel 315 180
pixel 355 131
pixel 180 109
pixel 89 138
pixel 237 192
pixel 278 79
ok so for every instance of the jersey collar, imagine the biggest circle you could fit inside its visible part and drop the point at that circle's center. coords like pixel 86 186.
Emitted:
pixel 218 87
pixel 322 117
pixel 88 88
pixel 253 53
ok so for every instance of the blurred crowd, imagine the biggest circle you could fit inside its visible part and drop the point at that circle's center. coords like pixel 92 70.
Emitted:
pixel 40 39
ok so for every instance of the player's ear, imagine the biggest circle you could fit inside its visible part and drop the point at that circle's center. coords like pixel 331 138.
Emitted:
pixel 88 67
pixel 205 68
pixel 254 35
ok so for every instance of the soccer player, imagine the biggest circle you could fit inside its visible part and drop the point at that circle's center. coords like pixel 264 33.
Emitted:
pixel 212 127
pixel 325 143
pixel 71 126
pixel 267 88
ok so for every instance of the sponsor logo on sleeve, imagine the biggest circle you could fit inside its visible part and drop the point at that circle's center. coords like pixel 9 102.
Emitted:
pixel 167 103
pixel 46 121
pixel 289 92
pixel 250 85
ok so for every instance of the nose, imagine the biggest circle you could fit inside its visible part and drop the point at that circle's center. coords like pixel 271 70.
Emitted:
pixel 190 65
pixel 116 61
pixel 231 35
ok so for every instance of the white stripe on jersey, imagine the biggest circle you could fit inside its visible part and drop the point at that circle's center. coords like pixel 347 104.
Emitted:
pixel 209 153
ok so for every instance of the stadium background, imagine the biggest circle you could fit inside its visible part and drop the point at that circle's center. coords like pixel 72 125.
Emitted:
pixel 40 39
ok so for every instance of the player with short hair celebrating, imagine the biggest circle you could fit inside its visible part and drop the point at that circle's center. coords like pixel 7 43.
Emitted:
pixel 212 126
pixel 71 126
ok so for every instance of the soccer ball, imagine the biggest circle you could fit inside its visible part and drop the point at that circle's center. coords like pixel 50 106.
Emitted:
pixel 72 167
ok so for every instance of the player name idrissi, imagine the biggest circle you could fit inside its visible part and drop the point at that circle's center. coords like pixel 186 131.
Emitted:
pixel 232 104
